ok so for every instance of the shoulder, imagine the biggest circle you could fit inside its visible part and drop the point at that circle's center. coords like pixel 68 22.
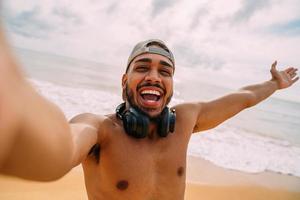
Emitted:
pixel 188 109
pixel 100 122
pixel 187 113
pixel 88 118
pixel 84 116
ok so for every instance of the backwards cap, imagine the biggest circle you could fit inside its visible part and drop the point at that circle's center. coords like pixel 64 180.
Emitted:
pixel 150 46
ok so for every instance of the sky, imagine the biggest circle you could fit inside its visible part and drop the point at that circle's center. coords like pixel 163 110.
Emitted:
pixel 224 42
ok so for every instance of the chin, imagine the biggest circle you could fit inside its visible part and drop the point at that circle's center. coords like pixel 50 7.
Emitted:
pixel 151 113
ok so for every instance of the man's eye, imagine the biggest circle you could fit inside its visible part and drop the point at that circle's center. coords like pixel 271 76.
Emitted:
pixel 141 68
pixel 165 73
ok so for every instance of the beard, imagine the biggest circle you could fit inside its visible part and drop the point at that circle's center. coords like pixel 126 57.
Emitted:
pixel 128 95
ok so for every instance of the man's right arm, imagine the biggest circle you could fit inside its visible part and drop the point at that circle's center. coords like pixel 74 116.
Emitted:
pixel 36 140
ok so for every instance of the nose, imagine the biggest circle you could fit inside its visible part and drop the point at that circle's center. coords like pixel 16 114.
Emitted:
pixel 153 76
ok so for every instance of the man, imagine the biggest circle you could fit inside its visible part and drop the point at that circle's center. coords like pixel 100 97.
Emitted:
pixel 139 152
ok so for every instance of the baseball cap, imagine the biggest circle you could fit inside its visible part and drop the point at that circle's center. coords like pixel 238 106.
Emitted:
pixel 155 46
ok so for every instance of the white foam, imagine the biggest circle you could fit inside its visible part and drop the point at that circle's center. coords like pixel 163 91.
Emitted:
pixel 74 101
pixel 234 148
pixel 225 146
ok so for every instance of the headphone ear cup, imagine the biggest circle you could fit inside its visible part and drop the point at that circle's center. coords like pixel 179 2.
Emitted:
pixel 164 123
pixel 135 124
pixel 172 120
pixel 128 123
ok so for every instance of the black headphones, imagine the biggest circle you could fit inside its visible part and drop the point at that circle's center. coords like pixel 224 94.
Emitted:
pixel 136 124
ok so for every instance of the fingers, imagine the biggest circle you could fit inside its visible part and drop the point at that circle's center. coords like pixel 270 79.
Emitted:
pixel 296 79
pixel 293 71
pixel 293 76
pixel 288 69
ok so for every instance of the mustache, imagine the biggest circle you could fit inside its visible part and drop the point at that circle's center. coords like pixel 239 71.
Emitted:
pixel 151 85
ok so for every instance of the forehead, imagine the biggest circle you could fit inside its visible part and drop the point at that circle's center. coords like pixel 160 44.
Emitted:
pixel 153 57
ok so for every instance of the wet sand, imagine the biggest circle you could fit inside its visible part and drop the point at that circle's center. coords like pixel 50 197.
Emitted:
pixel 210 192
pixel 205 181
pixel 210 182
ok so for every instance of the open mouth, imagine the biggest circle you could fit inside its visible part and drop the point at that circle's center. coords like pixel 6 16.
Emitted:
pixel 151 97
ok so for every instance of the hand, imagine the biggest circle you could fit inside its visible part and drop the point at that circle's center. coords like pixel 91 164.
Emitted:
pixel 284 78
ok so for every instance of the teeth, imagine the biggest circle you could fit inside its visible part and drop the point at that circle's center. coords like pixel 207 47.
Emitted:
pixel 151 92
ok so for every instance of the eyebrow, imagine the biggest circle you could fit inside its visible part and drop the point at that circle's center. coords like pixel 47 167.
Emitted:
pixel 148 60
pixel 144 60
pixel 165 63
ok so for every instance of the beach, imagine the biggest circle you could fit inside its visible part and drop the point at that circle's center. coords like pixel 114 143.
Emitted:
pixel 209 192
pixel 204 181
pixel 255 155
pixel 75 54
pixel 210 182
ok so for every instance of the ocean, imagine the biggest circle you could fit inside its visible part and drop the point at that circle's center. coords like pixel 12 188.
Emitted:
pixel 263 138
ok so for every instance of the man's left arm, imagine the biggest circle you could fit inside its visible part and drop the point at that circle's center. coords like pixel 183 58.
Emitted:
pixel 211 114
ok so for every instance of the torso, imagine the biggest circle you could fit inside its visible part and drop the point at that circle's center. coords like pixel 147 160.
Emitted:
pixel 129 168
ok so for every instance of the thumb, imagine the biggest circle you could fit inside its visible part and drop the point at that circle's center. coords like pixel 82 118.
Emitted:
pixel 274 65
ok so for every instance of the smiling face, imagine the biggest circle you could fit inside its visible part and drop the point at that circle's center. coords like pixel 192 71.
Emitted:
pixel 148 84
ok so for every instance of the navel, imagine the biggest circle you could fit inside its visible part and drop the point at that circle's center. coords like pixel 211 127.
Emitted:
pixel 180 171
pixel 122 185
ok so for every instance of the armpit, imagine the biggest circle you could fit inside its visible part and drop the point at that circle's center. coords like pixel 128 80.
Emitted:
pixel 95 152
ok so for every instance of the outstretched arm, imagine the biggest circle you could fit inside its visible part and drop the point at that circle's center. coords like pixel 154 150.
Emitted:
pixel 211 114
pixel 36 141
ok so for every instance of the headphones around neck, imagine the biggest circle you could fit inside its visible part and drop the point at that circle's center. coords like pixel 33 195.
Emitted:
pixel 136 124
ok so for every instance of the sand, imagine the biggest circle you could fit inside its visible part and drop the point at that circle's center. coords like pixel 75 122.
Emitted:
pixel 210 182
pixel 70 187
pixel 205 181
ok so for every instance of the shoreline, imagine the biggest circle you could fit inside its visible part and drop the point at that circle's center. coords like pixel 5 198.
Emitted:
pixel 201 171
pixel 210 192
pixel 204 180
pixel 211 182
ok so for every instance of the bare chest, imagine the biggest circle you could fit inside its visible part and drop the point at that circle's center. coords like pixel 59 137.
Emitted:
pixel 139 168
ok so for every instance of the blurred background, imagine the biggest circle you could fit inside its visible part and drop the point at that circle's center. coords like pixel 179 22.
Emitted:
pixel 75 52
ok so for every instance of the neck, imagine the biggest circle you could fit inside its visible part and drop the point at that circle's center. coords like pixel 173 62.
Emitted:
pixel 152 134
pixel 152 119
pixel 153 131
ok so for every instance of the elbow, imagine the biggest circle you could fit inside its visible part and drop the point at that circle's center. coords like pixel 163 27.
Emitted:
pixel 53 176
pixel 52 172
pixel 39 174
pixel 56 165
pixel 250 99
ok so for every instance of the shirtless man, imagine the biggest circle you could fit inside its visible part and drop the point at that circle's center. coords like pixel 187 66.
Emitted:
pixel 132 154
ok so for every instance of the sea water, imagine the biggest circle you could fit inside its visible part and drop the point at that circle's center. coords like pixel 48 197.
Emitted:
pixel 263 138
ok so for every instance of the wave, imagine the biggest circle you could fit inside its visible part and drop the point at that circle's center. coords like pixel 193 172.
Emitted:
pixel 235 148
pixel 227 146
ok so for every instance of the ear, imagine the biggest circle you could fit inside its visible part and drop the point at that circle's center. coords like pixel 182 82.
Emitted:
pixel 124 80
